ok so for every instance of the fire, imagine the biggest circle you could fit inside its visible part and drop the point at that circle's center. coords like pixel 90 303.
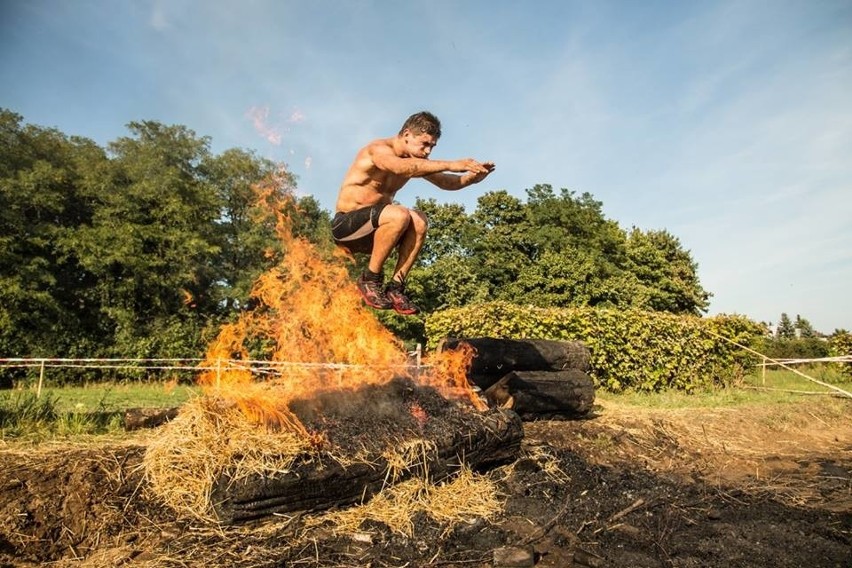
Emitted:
pixel 419 414
pixel 310 332
pixel 449 374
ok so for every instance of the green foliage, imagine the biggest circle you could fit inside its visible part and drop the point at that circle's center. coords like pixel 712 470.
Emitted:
pixel 43 176
pixel 840 344
pixel 666 272
pixel 136 250
pixel 552 251
pixel 795 348
pixel 630 349
pixel 785 329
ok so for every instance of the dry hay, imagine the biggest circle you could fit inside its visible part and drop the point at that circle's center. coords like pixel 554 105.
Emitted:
pixel 465 496
pixel 766 448
pixel 207 437
pixel 210 437
pixel 730 432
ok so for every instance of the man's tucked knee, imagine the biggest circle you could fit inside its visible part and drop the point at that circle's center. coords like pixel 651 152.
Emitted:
pixel 419 221
pixel 396 215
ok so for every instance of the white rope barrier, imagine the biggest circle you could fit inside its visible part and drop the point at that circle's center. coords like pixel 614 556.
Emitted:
pixel 840 359
pixel 766 359
pixel 197 365
pixel 257 367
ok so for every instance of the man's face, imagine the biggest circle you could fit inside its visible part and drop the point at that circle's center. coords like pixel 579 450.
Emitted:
pixel 418 145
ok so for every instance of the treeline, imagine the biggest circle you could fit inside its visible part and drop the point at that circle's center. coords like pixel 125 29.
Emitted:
pixel 139 249
pixel 797 339
pixel 556 249
pixel 143 248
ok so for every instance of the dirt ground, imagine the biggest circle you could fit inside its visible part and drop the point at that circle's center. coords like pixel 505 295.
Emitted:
pixel 749 487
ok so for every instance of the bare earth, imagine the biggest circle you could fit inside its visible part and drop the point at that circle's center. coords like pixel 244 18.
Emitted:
pixel 749 487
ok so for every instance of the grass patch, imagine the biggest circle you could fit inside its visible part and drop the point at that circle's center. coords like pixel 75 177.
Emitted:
pixel 780 378
pixel 778 386
pixel 23 415
pixel 61 412
pixel 119 396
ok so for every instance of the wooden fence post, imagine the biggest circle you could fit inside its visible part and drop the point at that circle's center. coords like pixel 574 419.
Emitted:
pixel 40 379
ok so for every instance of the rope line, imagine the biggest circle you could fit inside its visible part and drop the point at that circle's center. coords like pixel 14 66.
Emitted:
pixel 779 363
pixel 255 366
pixel 840 359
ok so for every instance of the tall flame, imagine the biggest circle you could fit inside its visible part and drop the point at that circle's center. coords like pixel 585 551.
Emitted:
pixel 310 330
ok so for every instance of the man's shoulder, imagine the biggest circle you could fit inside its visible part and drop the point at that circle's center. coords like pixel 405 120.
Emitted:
pixel 380 144
pixel 381 147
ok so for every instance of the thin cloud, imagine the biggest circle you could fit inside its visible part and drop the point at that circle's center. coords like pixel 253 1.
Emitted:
pixel 158 19
pixel 259 117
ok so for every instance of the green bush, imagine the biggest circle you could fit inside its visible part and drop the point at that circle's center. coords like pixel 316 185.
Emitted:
pixel 798 348
pixel 840 344
pixel 630 349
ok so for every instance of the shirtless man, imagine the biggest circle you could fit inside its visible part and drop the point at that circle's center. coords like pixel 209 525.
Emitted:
pixel 367 219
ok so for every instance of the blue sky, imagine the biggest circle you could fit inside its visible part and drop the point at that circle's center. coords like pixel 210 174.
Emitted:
pixel 727 123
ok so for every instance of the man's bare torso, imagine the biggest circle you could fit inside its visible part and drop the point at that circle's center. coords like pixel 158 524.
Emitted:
pixel 365 184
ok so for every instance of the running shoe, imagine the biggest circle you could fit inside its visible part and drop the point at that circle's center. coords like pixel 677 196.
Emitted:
pixel 373 295
pixel 395 292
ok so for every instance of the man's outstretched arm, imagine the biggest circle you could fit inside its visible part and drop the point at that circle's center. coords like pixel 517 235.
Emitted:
pixel 452 182
pixel 386 160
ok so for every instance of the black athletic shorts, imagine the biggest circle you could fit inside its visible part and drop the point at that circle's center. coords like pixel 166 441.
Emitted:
pixel 354 230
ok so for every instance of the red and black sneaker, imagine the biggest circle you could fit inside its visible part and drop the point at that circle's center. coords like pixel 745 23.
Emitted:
pixel 395 292
pixel 371 292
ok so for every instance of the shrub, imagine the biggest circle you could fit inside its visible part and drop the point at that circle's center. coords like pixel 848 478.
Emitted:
pixel 799 348
pixel 840 344
pixel 630 349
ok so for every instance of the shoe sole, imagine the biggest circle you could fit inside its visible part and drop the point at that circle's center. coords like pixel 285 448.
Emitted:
pixel 405 312
pixel 375 306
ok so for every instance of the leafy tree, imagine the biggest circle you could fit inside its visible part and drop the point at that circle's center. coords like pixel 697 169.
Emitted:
pixel 553 250
pixel 501 242
pixel 447 273
pixel 451 231
pixel 785 329
pixel 804 328
pixel 242 235
pixel 667 272
pixel 152 242
pixel 311 222
pixel 576 256
pixel 42 176
pixel 572 221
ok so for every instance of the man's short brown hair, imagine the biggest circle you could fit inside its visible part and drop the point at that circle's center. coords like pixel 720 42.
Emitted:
pixel 423 123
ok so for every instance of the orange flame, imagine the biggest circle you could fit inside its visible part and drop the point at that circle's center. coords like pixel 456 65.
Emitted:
pixel 449 374
pixel 419 414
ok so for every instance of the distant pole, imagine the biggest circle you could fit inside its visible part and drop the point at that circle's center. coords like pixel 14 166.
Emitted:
pixel 40 379
pixel 764 371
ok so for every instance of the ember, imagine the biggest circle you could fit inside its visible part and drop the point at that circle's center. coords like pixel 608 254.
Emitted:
pixel 419 414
